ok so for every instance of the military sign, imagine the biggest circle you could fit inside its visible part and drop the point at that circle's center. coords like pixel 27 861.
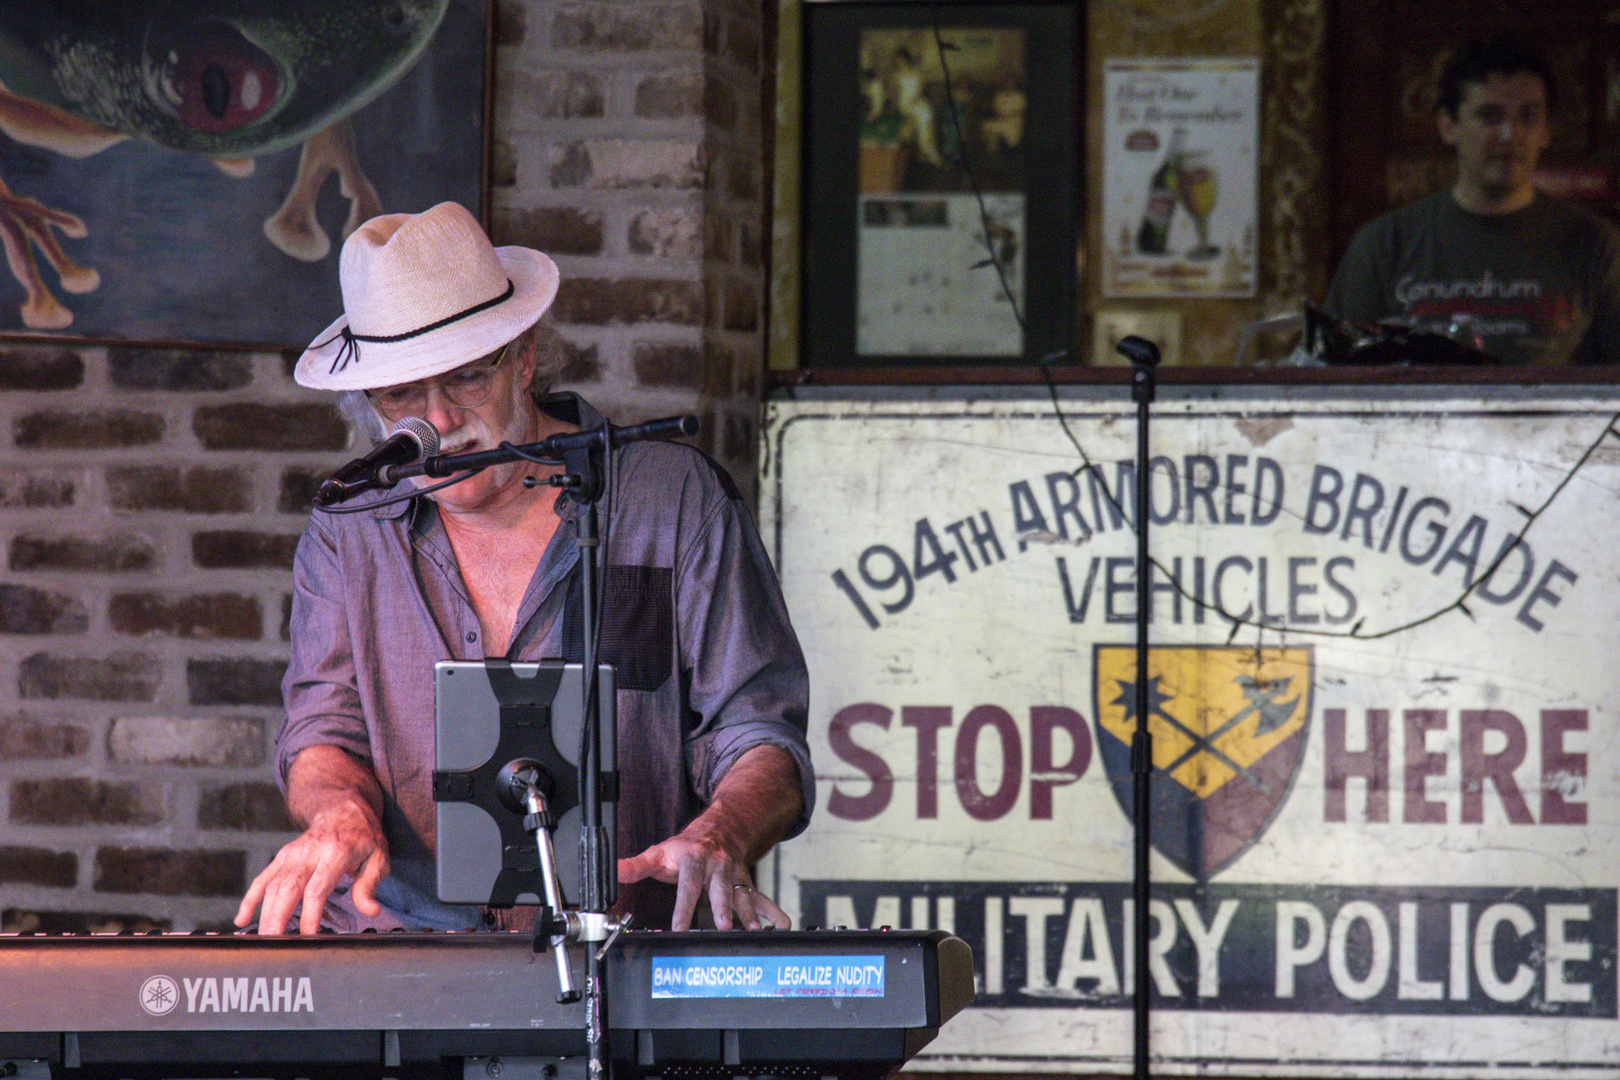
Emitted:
pixel 1385 804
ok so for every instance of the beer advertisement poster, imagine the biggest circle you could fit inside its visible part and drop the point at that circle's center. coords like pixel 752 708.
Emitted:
pixel 1180 148
pixel 1385 813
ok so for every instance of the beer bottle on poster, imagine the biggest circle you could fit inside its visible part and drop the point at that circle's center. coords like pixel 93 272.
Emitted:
pixel 1153 238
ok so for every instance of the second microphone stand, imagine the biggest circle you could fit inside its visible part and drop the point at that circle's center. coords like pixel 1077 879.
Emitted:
pixel 1144 358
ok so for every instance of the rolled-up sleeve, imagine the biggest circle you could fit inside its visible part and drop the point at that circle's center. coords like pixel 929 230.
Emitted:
pixel 320 689
pixel 748 682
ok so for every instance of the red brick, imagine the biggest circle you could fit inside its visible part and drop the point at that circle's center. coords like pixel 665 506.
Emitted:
pixel 551 95
pixel 580 363
pixel 719 103
pixel 714 28
pixel 251 426
pixel 572 167
pixel 606 26
pixel 239 549
pixel 502 163
pixel 57 429
pixel 742 306
pixel 139 368
pixel 670 94
pixel 26 610
pixel 235 681
pixel 38 866
pixel 197 490
pixel 511 22
pixel 298 486
pixel 247 807
pixel 719 369
pixel 37 488
pixel 557 230
pixel 629 163
pixel 744 177
pixel 120 677
pixel 668 232
pixel 22 738
pixel 748 373
pixel 744 44
pixel 109 554
pixel 223 742
pixel 80 801
pixel 737 442
pixel 713 297
pixel 24 367
pixel 218 615
pixel 664 365
pixel 748 245
pixel 717 239
pixel 601 301
pixel 170 873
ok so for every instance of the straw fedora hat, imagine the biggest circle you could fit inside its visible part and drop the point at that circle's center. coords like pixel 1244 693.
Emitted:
pixel 422 294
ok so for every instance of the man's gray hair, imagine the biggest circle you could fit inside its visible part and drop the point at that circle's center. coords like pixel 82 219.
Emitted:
pixel 550 358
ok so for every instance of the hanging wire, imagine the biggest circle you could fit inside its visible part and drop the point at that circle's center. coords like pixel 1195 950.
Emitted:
pixel 1087 465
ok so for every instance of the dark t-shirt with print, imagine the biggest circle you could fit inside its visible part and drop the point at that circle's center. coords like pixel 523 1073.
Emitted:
pixel 1539 286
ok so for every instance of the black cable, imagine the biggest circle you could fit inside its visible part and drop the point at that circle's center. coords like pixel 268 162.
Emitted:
pixel 973 180
pixel 392 499
pixel 592 689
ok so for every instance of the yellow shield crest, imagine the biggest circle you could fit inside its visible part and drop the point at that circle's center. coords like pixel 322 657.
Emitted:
pixel 1228 727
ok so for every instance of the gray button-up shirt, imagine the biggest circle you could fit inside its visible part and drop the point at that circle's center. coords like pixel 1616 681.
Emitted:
pixel 693 618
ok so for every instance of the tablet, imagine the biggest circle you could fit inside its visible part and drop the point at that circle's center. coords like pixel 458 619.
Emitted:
pixel 489 714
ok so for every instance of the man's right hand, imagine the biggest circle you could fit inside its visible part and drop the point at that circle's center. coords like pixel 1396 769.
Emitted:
pixel 338 799
pixel 342 840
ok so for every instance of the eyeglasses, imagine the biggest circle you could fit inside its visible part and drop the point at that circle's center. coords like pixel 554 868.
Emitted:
pixel 467 387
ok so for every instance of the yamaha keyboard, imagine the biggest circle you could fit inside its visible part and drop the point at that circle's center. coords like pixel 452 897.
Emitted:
pixel 846 1003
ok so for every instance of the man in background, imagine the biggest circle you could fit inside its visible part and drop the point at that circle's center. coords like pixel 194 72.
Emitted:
pixel 1531 279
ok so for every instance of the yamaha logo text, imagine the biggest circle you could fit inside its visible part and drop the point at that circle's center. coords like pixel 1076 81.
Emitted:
pixel 228 995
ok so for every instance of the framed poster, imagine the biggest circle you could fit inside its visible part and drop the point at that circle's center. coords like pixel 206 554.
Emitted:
pixel 196 181
pixel 1180 147
pixel 940 182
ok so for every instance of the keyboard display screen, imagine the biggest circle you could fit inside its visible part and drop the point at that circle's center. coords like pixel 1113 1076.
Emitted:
pixel 766 976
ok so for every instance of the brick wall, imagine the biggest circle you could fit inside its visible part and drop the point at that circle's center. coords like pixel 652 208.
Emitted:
pixel 628 145
pixel 150 499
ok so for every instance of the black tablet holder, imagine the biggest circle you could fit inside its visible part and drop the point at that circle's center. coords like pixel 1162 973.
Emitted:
pixel 507 779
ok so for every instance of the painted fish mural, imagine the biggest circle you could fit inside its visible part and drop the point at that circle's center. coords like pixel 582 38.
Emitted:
pixel 230 80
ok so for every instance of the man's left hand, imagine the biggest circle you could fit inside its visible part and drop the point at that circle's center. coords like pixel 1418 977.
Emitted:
pixel 754 804
pixel 695 866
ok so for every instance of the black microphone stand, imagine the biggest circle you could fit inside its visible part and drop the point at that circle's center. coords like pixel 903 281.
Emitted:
pixel 1144 357
pixel 582 481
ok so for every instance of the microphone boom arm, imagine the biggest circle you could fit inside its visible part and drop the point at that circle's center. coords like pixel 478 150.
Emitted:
pixel 554 447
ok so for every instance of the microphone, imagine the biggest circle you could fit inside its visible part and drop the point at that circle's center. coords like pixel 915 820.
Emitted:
pixel 412 439
pixel 1139 351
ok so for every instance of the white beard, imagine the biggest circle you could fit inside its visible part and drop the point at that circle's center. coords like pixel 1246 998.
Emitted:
pixel 477 433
